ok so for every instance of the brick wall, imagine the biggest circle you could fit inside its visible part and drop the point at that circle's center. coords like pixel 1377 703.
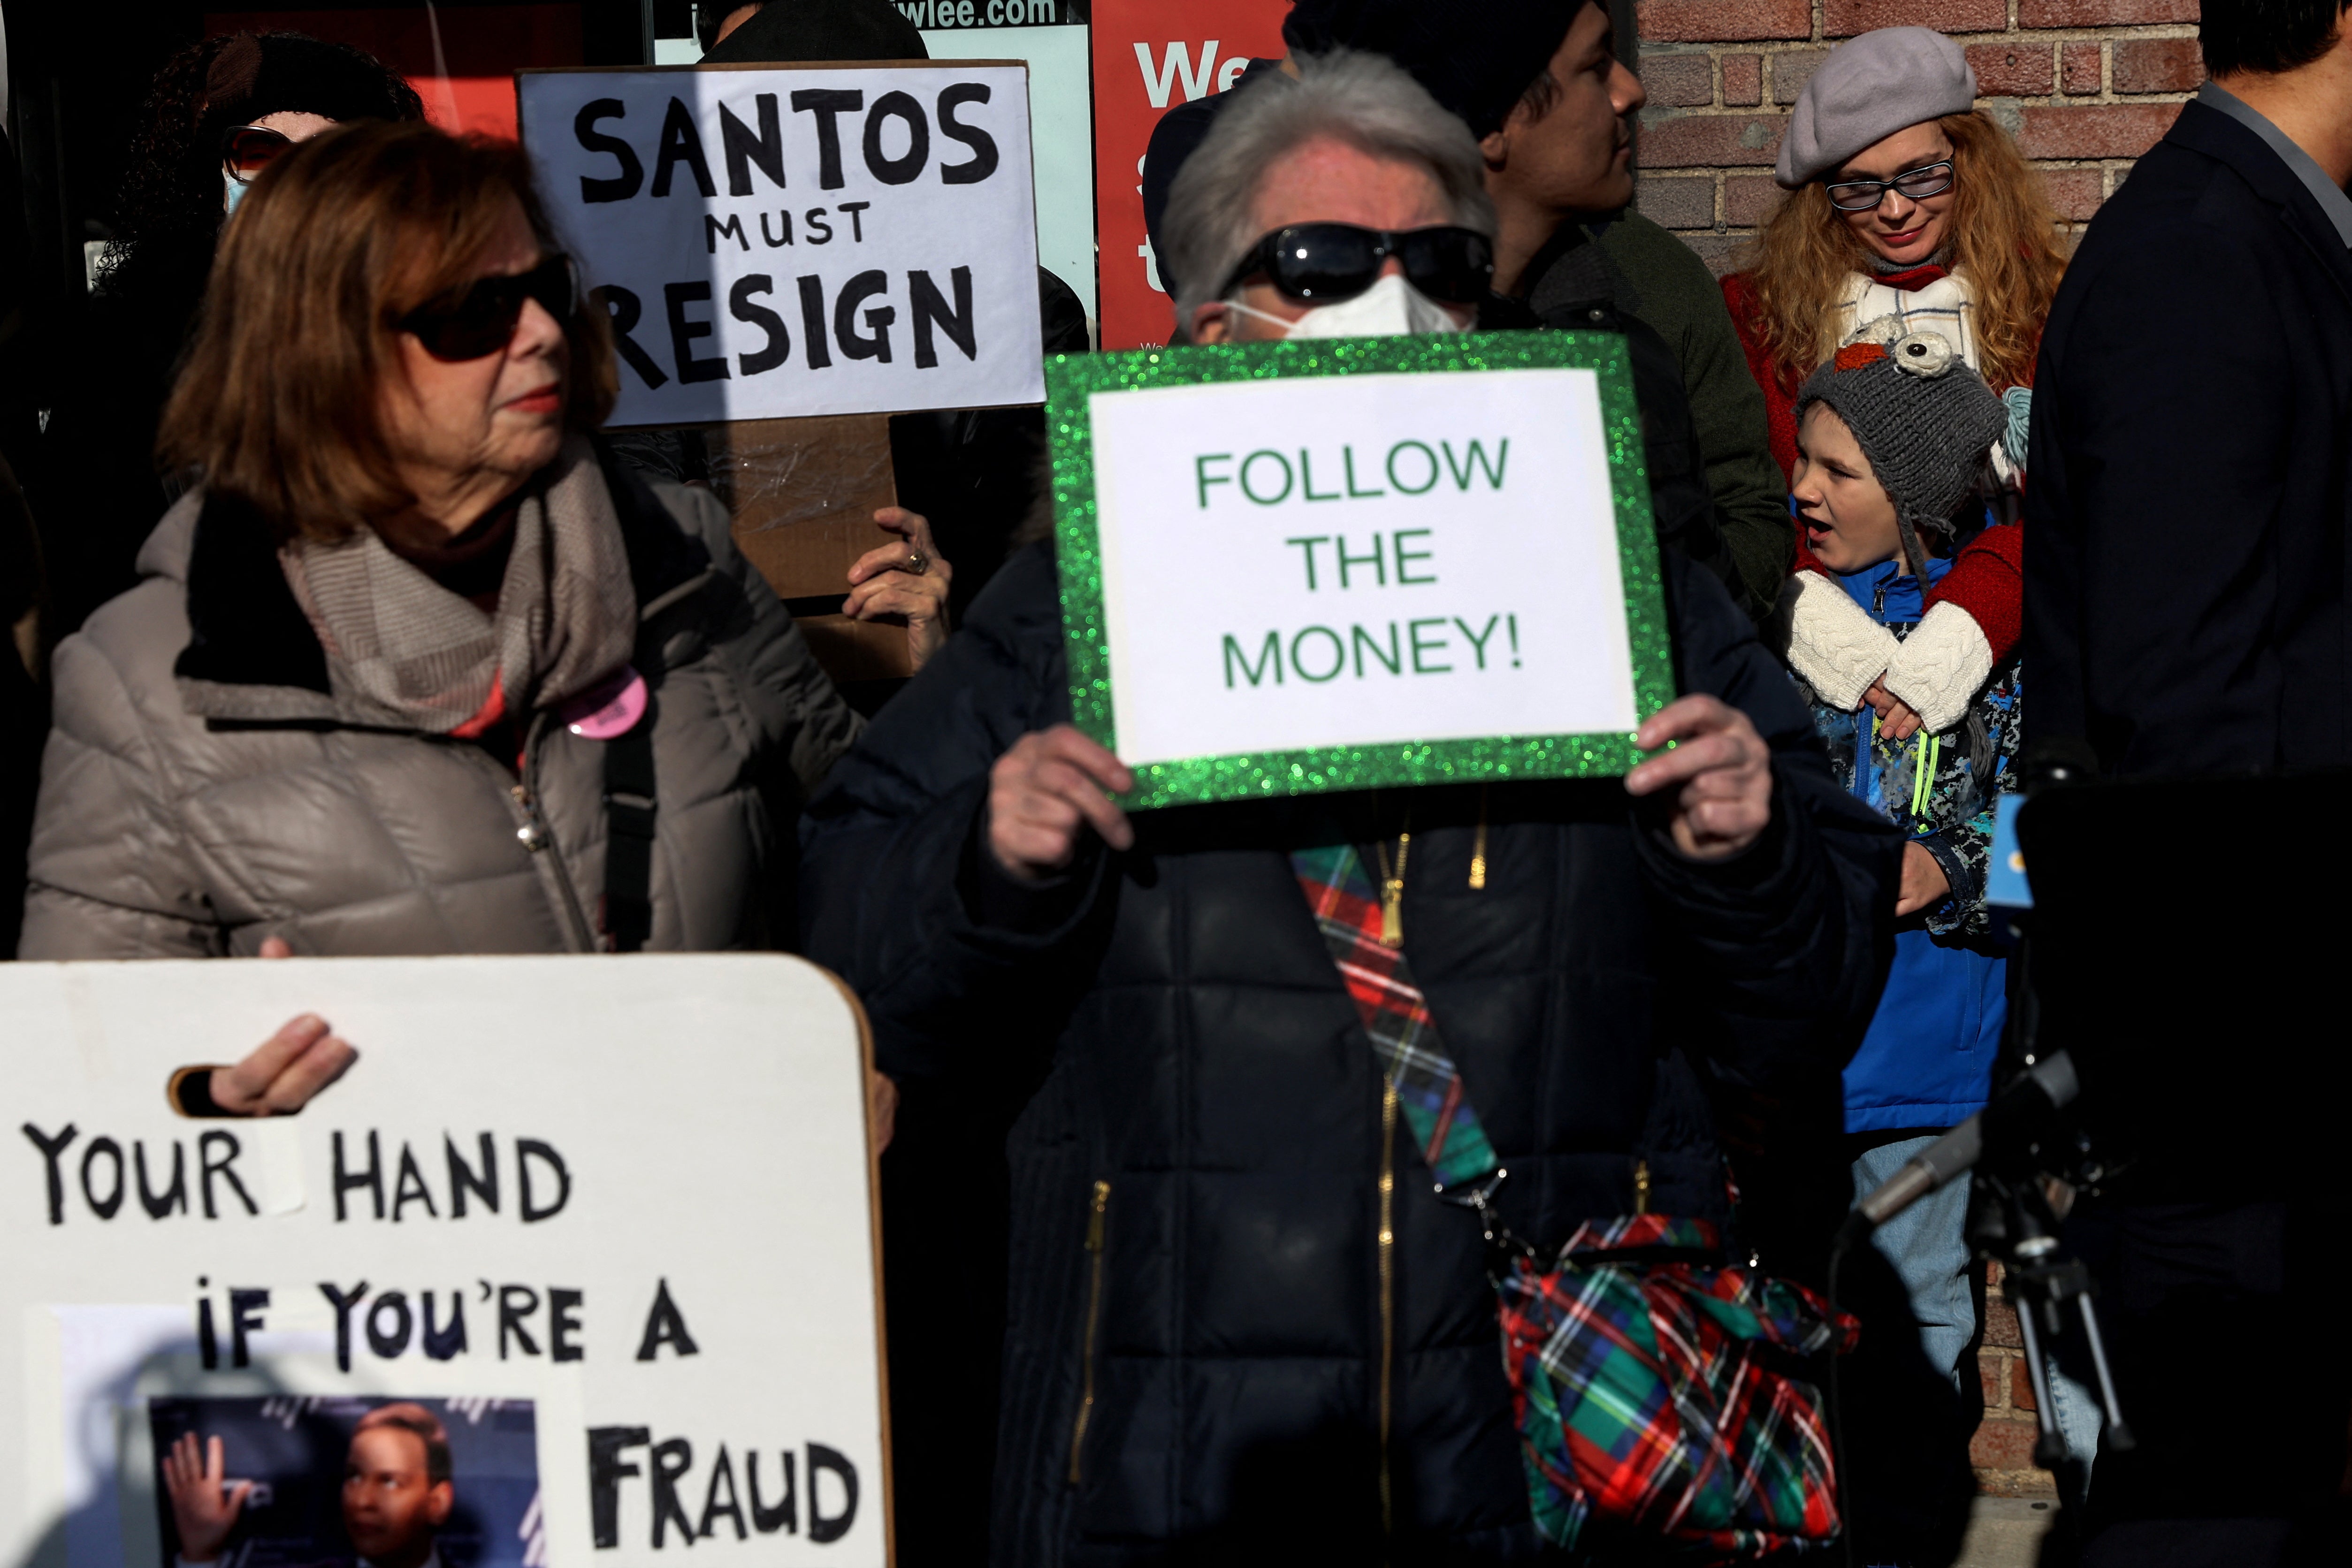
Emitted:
pixel 2003 1448
pixel 2085 86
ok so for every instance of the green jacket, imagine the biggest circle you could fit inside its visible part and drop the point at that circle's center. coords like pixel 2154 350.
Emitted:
pixel 1660 280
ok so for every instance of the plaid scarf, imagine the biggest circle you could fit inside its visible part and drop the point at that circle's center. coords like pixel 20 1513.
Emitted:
pixel 1396 1014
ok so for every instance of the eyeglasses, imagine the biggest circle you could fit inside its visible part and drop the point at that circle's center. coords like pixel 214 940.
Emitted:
pixel 1330 261
pixel 1863 195
pixel 247 150
pixel 482 321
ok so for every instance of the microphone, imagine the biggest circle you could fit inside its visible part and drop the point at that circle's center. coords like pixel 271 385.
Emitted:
pixel 2015 1116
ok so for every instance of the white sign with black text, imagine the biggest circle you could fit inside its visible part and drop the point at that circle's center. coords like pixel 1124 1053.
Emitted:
pixel 780 241
pixel 577 1264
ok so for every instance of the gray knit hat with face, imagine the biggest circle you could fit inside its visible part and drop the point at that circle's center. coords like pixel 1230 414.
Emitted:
pixel 1924 419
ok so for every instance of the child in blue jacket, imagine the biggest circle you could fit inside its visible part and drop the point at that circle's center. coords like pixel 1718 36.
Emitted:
pixel 1892 435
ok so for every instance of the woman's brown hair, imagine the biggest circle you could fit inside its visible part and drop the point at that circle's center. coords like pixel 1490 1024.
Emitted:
pixel 2004 237
pixel 339 238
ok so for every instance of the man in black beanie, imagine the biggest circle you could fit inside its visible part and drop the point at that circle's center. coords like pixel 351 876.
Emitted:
pixel 815 30
pixel 1539 83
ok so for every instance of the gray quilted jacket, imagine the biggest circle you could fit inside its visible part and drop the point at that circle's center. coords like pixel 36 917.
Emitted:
pixel 162 835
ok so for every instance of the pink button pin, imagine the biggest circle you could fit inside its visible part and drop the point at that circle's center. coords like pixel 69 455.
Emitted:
pixel 608 710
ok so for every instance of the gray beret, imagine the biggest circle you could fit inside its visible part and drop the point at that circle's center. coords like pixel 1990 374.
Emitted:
pixel 1921 416
pixel 1870 88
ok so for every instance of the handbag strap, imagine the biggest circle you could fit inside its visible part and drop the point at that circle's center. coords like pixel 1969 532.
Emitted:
pixel 1396 1013
pixel 629 807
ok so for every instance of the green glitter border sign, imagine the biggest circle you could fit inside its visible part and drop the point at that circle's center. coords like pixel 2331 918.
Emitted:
pixel 1071 380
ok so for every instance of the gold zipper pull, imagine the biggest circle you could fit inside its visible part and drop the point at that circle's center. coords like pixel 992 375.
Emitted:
pixel 1478 848
pixel 1095 1218
pixel 1392 894
pixel 1641 1186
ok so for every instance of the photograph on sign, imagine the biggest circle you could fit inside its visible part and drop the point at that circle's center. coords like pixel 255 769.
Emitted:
pixel 318 1479
pixel 530 1319
pixel 1291 567
pixel 782 241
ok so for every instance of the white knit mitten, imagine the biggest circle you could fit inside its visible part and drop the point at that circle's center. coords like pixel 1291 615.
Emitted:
pixel 1830 640
pixel 1940 666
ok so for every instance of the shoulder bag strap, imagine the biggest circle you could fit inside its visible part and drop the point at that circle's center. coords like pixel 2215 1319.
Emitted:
pixel 629 838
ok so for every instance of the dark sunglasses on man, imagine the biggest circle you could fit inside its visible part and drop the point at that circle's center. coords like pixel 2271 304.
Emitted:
pixel 1327 262
pixel 1863 195
pixel 247 150
pixel 481 321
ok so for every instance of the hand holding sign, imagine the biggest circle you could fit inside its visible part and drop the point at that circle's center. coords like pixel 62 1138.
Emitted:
pixel 908 579
pixel 279 1077
pixel 1046 789
pixel 1724 771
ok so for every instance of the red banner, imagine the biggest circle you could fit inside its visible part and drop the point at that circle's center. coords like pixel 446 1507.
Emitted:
pixel 1149 56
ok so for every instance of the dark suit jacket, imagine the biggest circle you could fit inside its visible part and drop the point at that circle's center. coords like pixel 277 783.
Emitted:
pixel 2185 589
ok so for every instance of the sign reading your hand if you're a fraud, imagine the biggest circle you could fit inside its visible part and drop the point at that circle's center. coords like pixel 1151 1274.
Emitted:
pixel 773 242
pixel 1308 566
pixel 595 1233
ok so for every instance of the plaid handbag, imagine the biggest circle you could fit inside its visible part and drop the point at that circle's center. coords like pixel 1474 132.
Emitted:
pixel 1652 1382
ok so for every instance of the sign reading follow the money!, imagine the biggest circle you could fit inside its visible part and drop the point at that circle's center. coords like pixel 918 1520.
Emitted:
pixel 596 1235
pixel 1295 567
pixel 779 241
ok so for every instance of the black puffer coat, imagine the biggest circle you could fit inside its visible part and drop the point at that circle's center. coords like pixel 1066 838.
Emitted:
pixel 1245 1336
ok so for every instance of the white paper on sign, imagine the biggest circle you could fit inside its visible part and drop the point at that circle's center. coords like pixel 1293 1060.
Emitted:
pixel 1358 560
pixel 782 242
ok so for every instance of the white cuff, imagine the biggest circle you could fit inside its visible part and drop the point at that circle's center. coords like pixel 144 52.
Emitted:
pixel 1829 640
pixel 1941 665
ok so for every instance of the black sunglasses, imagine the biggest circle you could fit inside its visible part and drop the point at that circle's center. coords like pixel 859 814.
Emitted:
pixel 482 321
pixel 1863 195
pixel 247 150
pixel 1330 261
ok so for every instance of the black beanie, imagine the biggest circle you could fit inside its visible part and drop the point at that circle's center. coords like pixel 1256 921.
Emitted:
pixel 256 75
pixel 1477 64
pixel 785 32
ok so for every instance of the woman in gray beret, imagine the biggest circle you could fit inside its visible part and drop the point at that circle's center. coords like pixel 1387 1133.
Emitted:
pixel 1905 203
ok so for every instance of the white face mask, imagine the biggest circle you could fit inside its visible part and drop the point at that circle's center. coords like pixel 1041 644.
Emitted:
pixel 1389 308
pixel 235 192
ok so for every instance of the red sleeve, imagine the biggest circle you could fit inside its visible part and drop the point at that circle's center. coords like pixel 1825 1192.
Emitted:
pixel 1779 398
pixel 1779 391
pixel 1988 580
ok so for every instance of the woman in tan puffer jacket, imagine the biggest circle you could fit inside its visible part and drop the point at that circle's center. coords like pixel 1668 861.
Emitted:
pixel 415 669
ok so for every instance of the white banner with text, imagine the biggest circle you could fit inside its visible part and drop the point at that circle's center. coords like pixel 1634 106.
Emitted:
pixel 780 241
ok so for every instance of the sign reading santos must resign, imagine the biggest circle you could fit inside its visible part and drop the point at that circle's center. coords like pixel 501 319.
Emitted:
pixel 780 241
pixel 1353 568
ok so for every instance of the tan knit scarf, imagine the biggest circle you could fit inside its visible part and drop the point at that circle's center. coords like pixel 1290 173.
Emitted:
pixel 406 653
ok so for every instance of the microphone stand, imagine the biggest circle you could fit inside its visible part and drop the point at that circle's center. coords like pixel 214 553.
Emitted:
pixel 2013 1221
pixel 2024 1183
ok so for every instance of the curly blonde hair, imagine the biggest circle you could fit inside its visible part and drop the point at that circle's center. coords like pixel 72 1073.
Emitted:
pixel 2004 237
